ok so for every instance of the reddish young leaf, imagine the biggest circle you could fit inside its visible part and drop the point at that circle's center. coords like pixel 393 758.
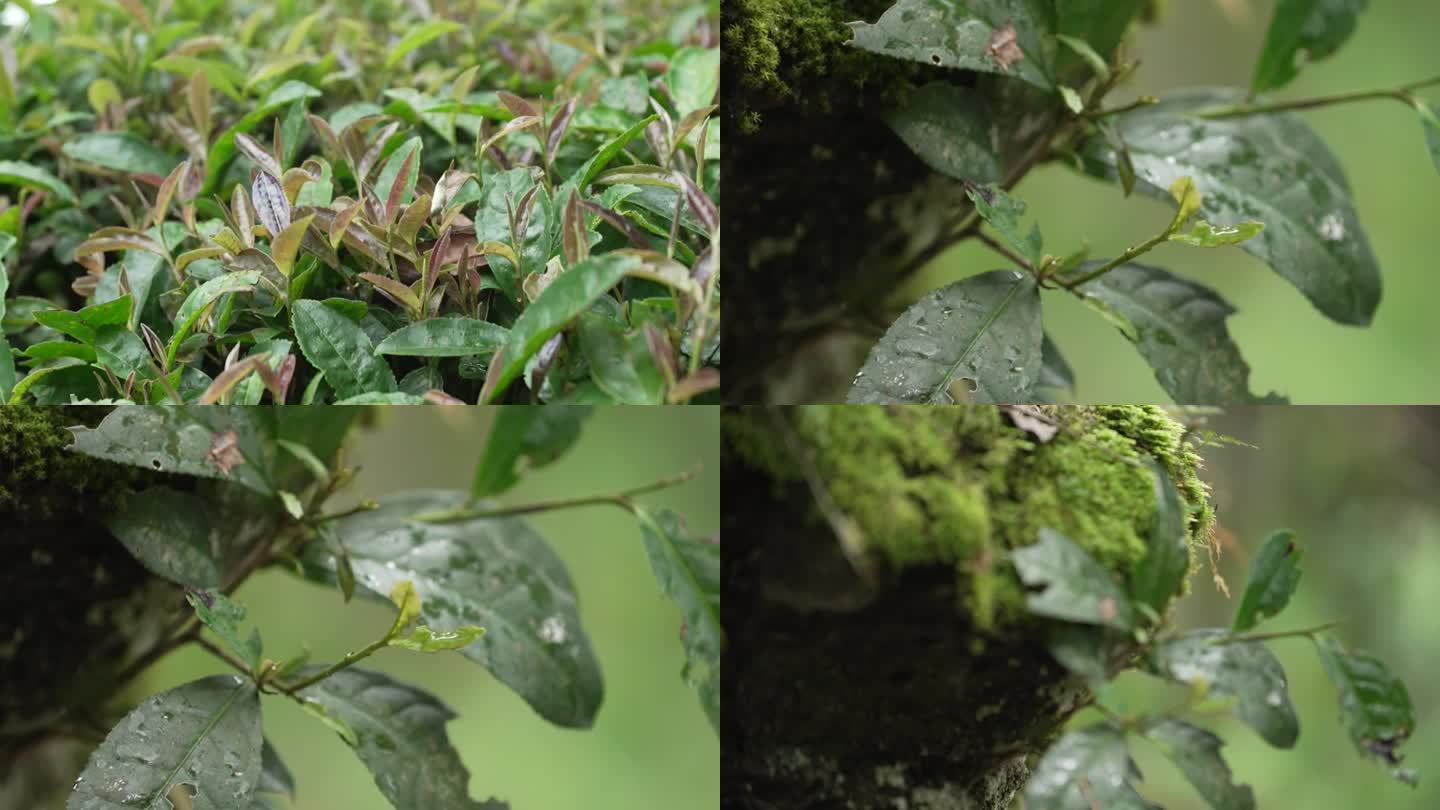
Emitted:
pixel 271 206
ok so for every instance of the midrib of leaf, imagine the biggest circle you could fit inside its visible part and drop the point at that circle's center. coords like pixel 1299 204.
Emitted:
pixel 164 789
pixel 985 327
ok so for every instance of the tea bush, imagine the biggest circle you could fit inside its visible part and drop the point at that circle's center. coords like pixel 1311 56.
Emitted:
pixel 360 201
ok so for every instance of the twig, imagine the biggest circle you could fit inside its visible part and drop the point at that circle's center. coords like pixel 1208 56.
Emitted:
pixel 348 660
pixel 621 499
pixel 213 649
pixel 1130 253
pixel 1308 632
pixel 995 245
pixel 1401 93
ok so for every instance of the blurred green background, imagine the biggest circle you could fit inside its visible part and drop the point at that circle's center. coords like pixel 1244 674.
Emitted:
pixel 651 745
pixel 1291 348
pixel 1358 487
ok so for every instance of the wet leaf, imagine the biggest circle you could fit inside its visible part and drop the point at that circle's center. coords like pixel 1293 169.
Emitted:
pixel 1312 29
pixel 444 337
pixel 561 302
pixel 1196 752
pixel 1374 704
pixel 1269 168
pixel 419 36
pixel 1179 328
pixel 1076 588
pixel 990 36
pixel 205 734
pixel 1055 373
pixel 524 439
pixel 495 573
pixel 25 175
pixel 169 533
pixel 985 328
pixel 1167 560
pixel 1244 670
pixel 224 618
pixel 1086 769
pixel 179 440
pixel 1274 575
pixel 688 570
pixel 948 127
pixel 119 151
pixel 337 346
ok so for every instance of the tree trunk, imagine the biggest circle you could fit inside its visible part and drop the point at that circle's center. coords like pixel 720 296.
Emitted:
pixel 845 689
pixel 836 209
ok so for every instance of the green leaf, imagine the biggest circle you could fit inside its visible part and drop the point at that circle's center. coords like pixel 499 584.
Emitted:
pixel 1003 212
pixel 222 75
pixel 1271 168
pixel 1374 704
pixel 1203 234
pixel 1158 577
pixel 688 570
pixel 948 127
pixel 222 443
pixel 1099 23
pixel 1178 326
pixel 1055 373
pixel 26 175
pixel 169 533
pixel 390 172
pixel 1244 670
pixel 205 735
pixel 224 616
pixel 601 158
pixel 1431 126
pixel 1314 29
pixel 82 325
pixel 400 736
pixel 419 36
pixel 337 346
pixel 525 439
pixel 1076 588
pixel 1084 649
pixel 223 150
pixel 495 573
pixel 960 33
pixel 986 329
pixel 620 364
pixel 1082 49
pixel 444 337
pixel 7 360
pixel 1196 752
pixel 1072 99
pixel 423 639
pixel 567 296
pixel 1274 575
pixel 119 151
pixel 693 78
pixel 274 775
pixel 122 351
pixel 201 298
pixel 1086 769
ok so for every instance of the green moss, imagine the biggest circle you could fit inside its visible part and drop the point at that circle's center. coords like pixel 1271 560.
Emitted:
pixel 794 52
pixel 960 485
pixel 40 480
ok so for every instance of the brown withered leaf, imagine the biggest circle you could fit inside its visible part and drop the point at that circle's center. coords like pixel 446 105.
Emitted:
pixel 1032 420
pixel 1004 47
pixel 225 451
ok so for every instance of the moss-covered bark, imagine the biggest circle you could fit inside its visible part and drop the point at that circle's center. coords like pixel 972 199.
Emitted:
pixel 919 682
pixel 835 208
pixel 76 609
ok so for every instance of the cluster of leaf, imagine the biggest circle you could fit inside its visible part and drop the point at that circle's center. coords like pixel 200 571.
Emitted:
pixel 492 587
pixel 982 338
pixel 1103 628
pixel 214 200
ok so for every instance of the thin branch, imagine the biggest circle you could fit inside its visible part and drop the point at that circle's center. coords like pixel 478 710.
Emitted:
pixel 210 647
pixel 1004 250
pixel 1142 101
pixel 1130 253
pixel 1308 632
pixel 1401 93
pixel 621 499
pixel 348 660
